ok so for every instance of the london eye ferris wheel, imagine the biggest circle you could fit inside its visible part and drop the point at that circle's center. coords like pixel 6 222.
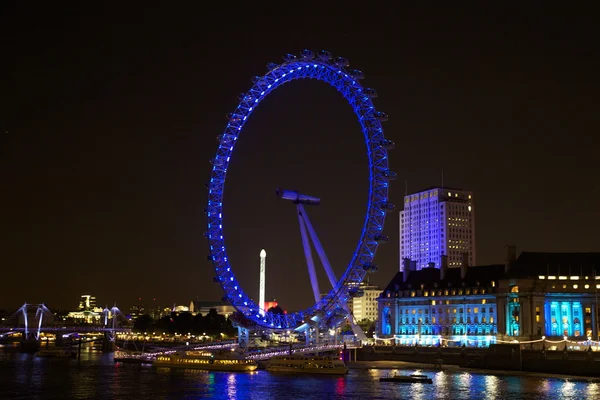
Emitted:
pixel 326 310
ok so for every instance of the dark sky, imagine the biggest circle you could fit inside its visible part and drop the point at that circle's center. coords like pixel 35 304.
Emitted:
pixel 112 114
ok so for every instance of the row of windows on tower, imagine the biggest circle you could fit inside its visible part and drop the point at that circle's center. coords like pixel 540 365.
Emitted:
pixel 456 330
pixel 460 310
pixel 449 320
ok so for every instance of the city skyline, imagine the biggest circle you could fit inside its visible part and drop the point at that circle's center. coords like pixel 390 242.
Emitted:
pixel 109 121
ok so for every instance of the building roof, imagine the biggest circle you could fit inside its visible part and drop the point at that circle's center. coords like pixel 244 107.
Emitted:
pixel 210 304
pixel 430 278
pixel 530 264
pixel 439 187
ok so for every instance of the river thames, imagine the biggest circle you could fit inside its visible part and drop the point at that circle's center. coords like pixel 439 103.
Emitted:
pixel 96 376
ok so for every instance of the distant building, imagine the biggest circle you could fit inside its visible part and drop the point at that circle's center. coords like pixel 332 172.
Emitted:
pixel 437 222
pixel 87 302
pixel 536 295
pixel 87 311
pixel 203 307
pixel 364 305
pixel 136 311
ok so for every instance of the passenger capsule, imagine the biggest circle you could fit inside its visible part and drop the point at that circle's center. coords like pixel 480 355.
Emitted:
pixel 272 66
pixel 381 238
pixel 356 74
pixel 368 267
pixel 324 55
pixel 341 62
pixel 389 174
pixel 388 144
pixel 256 78
pixel 381 116
pixel 289 57
pixel 388 206
pixel 307 54
pixel 370 92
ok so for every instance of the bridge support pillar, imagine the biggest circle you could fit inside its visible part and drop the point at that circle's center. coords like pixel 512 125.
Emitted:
pixel 243 337
pixel 30 345
pixel 108 343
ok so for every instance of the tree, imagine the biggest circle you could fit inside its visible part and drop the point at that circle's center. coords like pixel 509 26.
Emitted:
pixel 143 323
pixel 366 324
pixel 184 322
pixel 276 310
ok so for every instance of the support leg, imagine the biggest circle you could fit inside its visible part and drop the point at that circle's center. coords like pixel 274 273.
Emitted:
pixel 318 247
pixel 308 254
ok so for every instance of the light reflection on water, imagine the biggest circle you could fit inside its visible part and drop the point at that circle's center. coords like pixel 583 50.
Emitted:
pixel 25 376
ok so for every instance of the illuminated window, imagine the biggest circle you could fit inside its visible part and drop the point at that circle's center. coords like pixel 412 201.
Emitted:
pixel 483 301
pixel 551 277
pixel 445 293
pixel 476 310
pixel 597 286
pixel 575 286
pixel 514 289
pixel 433 302
pixel 562 278
pixel 493 283
pixel 574 278
pixel 541 277
pixel 587 286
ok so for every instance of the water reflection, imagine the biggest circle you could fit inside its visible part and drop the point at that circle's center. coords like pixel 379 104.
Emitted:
pixel 231 387
pixel 340 386
pixel 592 391
pixel 491 386
pixel 28 377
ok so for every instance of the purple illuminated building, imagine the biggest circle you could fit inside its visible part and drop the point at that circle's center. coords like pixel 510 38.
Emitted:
pixel 437 222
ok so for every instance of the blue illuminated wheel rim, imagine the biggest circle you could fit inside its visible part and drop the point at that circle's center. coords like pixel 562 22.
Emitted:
pixel 333 71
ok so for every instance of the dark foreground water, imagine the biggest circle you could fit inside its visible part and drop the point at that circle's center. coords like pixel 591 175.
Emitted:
pixel 95 376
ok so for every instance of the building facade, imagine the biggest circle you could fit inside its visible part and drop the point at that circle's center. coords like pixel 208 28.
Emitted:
pixel 87 302
pixel 535 296
pixel 365 306
pixel 437 222
pixel 203 307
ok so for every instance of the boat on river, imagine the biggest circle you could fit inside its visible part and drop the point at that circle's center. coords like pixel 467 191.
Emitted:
pixel 414 378
pixel 133 357
pixel 300 364
pixel 219 361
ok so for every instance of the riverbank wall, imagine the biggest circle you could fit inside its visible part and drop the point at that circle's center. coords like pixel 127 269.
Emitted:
pixel 496 357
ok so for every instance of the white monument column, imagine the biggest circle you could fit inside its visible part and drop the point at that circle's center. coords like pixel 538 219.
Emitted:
pixel 261 295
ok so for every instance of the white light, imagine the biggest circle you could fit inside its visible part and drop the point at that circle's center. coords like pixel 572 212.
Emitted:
pixel 263 253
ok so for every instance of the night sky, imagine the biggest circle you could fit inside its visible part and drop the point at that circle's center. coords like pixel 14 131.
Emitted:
pixel 109 117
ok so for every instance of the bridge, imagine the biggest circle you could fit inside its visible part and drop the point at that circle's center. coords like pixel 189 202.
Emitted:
pixel 31 320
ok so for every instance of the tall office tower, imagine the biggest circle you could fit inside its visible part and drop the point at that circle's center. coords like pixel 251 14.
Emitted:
pixel 437 222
